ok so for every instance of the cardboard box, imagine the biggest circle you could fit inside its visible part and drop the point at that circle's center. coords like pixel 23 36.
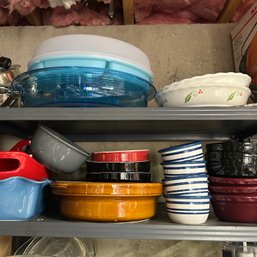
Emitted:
pixel 244 42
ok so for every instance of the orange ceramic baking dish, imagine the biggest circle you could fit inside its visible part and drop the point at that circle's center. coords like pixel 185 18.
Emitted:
pixel 107 202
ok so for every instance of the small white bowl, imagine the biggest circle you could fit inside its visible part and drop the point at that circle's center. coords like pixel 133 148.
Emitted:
pixel 187 199
pixel 187 171
pixel 183 206
pixel 184 147
pixel 196 153
pixel 189 157
pixel 188 212
pixel 186 188
pixel 189 218
pixel 191 193
pixel 185 164
pixel 187 179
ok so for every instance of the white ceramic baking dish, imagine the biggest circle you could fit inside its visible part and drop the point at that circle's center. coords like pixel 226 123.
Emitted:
pixel 220 89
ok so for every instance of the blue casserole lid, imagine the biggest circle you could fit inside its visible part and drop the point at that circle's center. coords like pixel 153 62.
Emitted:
pixel 90 62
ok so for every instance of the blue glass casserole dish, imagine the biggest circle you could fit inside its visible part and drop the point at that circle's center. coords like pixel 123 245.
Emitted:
pixel 81 87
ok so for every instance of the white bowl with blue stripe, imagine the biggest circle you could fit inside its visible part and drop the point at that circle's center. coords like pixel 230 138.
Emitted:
pixel 171 173
pixel 184 147
pixel 184 152
pixel 197 154
pixel 181 168
pixel 189 193
pixel 184 206
pixel 186 187
pixel 192 218
pixel 171 210
pixel 184 198
pixel 184 203
pixel 188 210
pixel 183 164
pixel 187 178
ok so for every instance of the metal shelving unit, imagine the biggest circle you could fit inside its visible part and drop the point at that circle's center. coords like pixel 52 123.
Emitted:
pixel 104 124
pixel 134 124
pixel 160 228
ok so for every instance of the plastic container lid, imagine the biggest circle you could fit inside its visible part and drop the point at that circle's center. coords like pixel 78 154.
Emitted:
pixel 92 45
pixel 106 189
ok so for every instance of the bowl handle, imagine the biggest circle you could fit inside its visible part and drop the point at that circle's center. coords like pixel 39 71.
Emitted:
pixel 12 98
pixel 20 145
pixel 27 167
pixel 9 157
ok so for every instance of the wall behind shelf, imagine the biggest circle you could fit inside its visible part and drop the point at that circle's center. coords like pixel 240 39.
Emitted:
pixel 156 248
pixel 193 49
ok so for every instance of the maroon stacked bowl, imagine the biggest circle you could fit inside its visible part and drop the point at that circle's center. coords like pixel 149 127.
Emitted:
pixel 119 166
pixel 234 199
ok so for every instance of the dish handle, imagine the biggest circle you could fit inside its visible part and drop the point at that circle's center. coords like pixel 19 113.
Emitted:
pixel 20 145
pixel 12 99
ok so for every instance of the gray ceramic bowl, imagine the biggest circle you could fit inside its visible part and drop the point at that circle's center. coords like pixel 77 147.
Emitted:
pixel 56 152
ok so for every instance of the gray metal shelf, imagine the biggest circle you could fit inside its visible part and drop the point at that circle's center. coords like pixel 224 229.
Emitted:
pixel 134 124
pixel 160 228
pixel 104 124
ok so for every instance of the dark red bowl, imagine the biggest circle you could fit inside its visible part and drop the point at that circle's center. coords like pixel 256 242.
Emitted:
pixel 121 156
pixel 93 166
pixel 239 190
pixel 234 208
pixel 223 181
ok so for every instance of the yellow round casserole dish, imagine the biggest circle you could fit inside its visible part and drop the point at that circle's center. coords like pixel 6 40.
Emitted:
pixel 107 202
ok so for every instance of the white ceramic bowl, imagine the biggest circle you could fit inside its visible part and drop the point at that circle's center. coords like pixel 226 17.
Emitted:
pixel 188 94
pixel 187 199
pixel 196 153
pixel 188 211
pixel 190 156
pixel 178 148
pixel 188 203
pixel 219 79
pixel 186 188
pixel 190 194
pixel 168 172
pixel 187 206
pixel 189 218
pixel 185 179
pixel 185 164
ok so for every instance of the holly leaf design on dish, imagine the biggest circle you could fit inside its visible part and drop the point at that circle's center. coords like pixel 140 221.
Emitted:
pixel 232 95
pixel 188 97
